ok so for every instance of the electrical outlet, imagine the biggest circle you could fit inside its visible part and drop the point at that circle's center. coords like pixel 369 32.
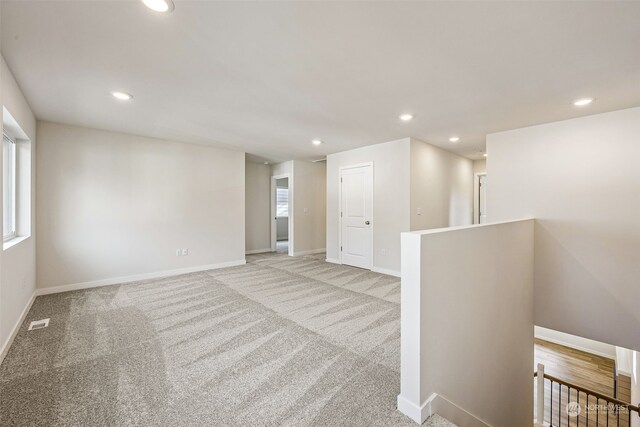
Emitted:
pixel 419 211
pixel 178 252
pixel 383 252
pixel 306 210
pixel 185 252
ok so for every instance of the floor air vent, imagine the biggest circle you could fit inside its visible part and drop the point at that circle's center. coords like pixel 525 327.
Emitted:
pixel 38 324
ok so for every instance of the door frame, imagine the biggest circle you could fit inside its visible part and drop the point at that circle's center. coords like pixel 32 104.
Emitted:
pixel 273 220
pixel 476 196
pixel 373 195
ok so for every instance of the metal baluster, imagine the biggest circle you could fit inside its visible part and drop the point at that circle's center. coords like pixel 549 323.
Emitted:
pixel 568 400
pixel 551 410
pixel 586 409
pixel 578 417
pixel 597 411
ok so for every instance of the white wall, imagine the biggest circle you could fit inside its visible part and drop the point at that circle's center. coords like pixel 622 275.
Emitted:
pixel 624 361
pixel 17 263
pixel 113 205
pixel 282 168
pixel 391 189
pixel 257 207
pixel 635 386
pixel 480 166
pixel 309 207
pixel 467 295
pixel 580 179
pixel 407 174
pixel 441 188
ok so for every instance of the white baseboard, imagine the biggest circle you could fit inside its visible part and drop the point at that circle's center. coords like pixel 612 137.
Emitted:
pixel 575 342
pixel 311 252
pixel 374 269
pixel 417 413
pixel 437 404
pixel 16 327
pixel 258 251
pixel 452 412
pixel 385 271
pixel 135 278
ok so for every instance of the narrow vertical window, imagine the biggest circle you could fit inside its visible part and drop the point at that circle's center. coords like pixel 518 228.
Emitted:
pixel 9 187
pixel 282 202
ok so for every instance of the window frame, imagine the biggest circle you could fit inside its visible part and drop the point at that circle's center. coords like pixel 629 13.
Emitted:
pixel 12 174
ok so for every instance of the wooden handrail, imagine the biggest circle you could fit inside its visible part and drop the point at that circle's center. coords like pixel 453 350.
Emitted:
pixel 591 393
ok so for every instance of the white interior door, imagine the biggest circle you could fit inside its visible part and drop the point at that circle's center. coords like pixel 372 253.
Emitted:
pixel 356 216
pixel 482 202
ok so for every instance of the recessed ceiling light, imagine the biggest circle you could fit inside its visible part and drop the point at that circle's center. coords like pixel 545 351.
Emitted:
pixel 266 163
pixel 316 142
pixel 406 117
pixel 454 139
pixel 484 154
pixel 582 102
pixel 159 5
pixel 122 96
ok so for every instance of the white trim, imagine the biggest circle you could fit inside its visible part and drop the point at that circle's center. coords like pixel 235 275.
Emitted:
pixel 452 412
pixel 411 410
pixel 373 206
pixel 466 227
pixel 258 251
pixel 16 327
pixel 136 277
pixel 476 196
pixel 333 261
pixel 14 177
pixel 11 243
pixel 312 251
pixel 624 362
pixel 572 341
pixel 575 347
pixel 385 271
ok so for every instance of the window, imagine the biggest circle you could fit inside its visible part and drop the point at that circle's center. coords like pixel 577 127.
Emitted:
pixel 9 187
pixel 282 202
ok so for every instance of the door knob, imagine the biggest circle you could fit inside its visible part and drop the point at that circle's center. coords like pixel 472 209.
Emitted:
pixel 367 223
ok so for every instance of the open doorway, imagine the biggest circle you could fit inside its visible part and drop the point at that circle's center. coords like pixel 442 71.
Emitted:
pixel 281 212
pixel 480 198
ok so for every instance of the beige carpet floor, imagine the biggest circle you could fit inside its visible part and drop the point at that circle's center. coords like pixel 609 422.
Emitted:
pixel 279 342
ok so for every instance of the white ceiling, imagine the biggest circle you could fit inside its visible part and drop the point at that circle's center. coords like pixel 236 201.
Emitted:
pixel 268 77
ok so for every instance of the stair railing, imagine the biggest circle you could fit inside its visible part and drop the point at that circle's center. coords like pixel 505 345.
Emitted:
pixel 583 407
